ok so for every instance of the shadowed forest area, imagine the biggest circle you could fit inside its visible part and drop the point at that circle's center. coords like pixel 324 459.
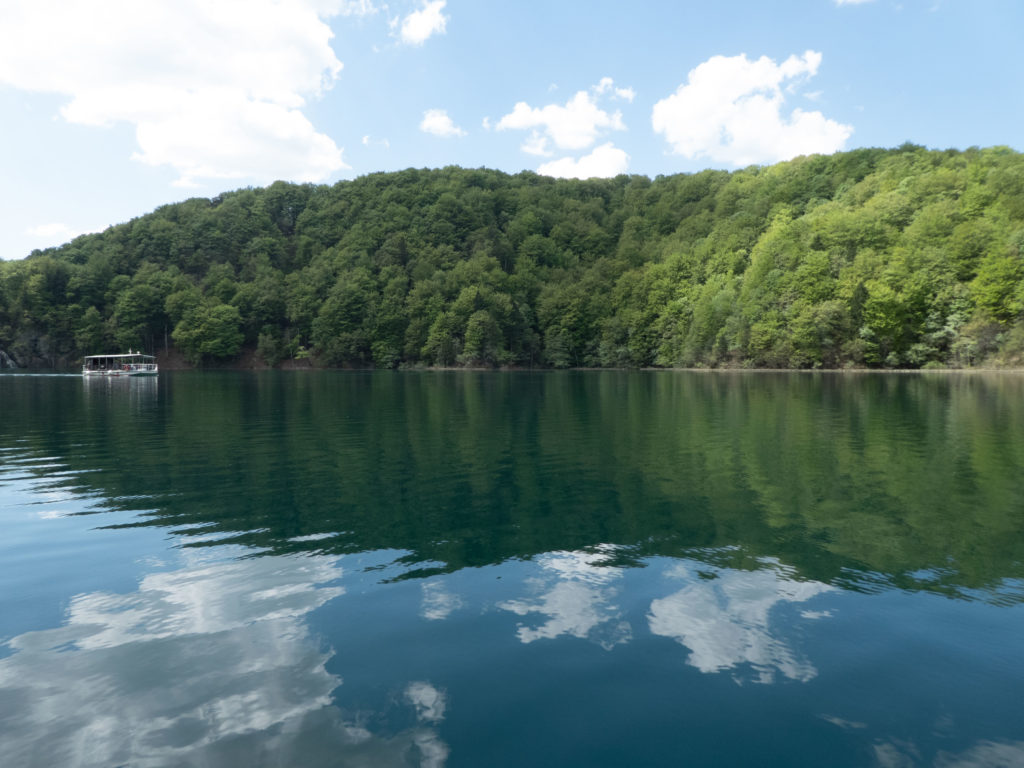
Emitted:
pixel 901 258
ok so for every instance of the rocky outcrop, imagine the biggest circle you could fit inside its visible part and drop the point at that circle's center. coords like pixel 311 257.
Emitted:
pixel 34 351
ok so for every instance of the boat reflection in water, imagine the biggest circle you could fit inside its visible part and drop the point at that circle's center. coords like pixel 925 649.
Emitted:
pixel 139 392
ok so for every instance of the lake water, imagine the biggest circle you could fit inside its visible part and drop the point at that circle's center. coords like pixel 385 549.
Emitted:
pixel 512 569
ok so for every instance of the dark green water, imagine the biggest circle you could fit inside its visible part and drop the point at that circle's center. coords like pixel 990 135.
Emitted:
pixel 477 569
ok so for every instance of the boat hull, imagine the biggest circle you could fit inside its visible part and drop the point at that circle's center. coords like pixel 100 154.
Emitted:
pixel 119 374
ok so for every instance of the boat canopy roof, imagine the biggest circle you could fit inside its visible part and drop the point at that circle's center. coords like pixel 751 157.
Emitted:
pixel 128 356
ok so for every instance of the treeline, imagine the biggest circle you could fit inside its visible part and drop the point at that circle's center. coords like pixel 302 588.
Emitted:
pixel 881 258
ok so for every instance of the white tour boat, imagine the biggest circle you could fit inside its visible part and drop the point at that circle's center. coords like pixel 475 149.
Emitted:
pixel 131 364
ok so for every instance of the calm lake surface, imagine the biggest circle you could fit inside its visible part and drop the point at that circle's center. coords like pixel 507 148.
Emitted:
pixel 512 569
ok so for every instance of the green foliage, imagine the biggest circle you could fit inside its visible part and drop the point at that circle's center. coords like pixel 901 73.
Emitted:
pixel 210 331
pixel 270 346
pixel 91 335
pixel 886 258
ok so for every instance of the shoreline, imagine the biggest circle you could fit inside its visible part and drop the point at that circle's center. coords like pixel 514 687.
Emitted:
pixel 508 369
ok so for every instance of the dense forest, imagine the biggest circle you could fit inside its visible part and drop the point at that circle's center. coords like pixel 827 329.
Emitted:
pixel 901 258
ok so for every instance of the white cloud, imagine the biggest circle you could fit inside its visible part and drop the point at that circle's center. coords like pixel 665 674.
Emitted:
pixel 607 85
pixel 577 125
pixel 419 25
pixel 536 145
pixel 437 122
pixel 730 111
pixel 52 230
pixel 350 7
pixel 55 233
pixel 214 90
pixel 853 2
pixel 605 161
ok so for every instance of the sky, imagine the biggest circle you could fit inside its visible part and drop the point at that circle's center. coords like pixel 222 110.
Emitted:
pixel 111 108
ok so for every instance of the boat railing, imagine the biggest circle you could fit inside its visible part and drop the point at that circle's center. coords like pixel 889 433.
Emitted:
pixel 112 366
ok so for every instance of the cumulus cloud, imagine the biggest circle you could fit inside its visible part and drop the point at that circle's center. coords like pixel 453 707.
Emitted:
pixel 214 90
pixel 605 161
pixel 55 229
pixel 730 110
pixel 437 123
pixel 350 7
pixel 536 145
pixel 607 85
pixel 576 125
pixel 420 25
pixel 56 232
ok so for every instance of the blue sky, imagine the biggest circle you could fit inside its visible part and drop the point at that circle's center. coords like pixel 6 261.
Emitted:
pixel 111 108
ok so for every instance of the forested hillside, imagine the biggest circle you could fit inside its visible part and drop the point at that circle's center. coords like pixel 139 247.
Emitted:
pixel 881 258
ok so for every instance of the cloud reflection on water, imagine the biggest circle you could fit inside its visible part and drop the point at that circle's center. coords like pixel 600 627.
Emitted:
pixel 430 704
pixel 212 665
pixel 982 754
pixel 438 603
pixel 576 593
pixel 725 621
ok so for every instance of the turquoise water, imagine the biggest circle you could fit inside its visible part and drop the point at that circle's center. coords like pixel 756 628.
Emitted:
pixel 490 569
